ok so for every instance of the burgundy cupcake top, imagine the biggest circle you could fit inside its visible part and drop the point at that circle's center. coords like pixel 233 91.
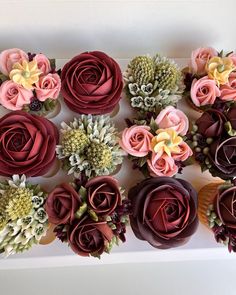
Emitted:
pixel 92 83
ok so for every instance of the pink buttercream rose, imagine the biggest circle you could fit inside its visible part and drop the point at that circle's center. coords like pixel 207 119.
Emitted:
pixel 48 87
pixel 184 153
pixel 43 63
pixel 9 57
pixel 136 140
pixel 170 117
pixel 162 165
pixel 199 59
pixel 204 91
pixel 228 91
pixel 14 96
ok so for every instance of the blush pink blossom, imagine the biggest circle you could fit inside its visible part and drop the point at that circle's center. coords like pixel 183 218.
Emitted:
pixel 14 96
pixel 199 59
pixel 48 87
pixel 184 154
pixel 43 63
pixel 204 91
pixel 9 57
pixel 170 117
pixel 162 165
pixel 228 91
pixel 136 140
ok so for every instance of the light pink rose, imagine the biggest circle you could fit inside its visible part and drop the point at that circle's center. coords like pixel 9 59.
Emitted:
pixel 136 140
pixel 170 117
pixel 204 91
pixel 9 57
pixel 162 165
pixel 14 96
pixel 233 57
pixel 48 87
pixel 228 91
pixel 43 63
pixel 184 154
pixel 199 59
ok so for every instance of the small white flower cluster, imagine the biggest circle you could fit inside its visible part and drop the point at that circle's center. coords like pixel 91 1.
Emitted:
pixel 21 234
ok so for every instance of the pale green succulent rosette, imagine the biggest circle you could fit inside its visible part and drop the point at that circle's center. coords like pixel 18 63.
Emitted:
pixel 89 145
pixel 23 220
pixel 152 83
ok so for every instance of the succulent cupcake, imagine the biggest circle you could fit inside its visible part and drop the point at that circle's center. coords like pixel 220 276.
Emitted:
pixel 89 145
pixel 153 83
pixel 218 212
pixel 157 147
pixel 28 82
pixel 23 220
pixel 91 216
pixel 210 78
pixel 213 139
pixel 164 211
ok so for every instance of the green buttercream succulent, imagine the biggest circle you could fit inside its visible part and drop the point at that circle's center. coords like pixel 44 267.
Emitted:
pixel 167 75
pixel 3 220
pixel 99 155
pixel 74 141
pixel 143 69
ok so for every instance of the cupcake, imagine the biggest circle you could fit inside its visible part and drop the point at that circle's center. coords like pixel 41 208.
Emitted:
pixel 153 83
pixel 216 210
pixel 91 216
pixel 92 83
pixel 23 220
pixel 157 147
pixel 28 82
pixel 164 211
pixel 210 78
pixel 27 144
pixel 89 145
pixel 213 138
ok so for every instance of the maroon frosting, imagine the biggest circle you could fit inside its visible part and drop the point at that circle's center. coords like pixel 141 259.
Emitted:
pixel 103 195
pixel 89 237
pixel 231 116
pixel 62 204
pixel 164 211
pixel 91 83
pixel 28 144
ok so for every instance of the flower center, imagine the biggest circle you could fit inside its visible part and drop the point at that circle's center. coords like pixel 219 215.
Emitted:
pixel 220 68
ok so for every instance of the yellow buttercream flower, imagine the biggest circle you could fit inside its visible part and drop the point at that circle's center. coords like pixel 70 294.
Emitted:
pixel 219 69
pixel 166 141
pixel 25 74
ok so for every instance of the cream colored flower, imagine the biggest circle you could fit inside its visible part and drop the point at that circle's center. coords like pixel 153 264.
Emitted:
pixel 219 69
pixel 25 74
pixel 166 141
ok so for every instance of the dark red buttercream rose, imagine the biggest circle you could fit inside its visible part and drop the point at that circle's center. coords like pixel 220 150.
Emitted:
pixel 89 237
pixel 91 83
pixel 62 204
pixel 231 116
pixel 164 211
pixel 27 144
pixel 103 195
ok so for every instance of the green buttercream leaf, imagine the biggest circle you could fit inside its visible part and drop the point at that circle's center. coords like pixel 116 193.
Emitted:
pixel 83 193
pixel 229 129
pixel 93 215
pixel 153 125
pixel 82 209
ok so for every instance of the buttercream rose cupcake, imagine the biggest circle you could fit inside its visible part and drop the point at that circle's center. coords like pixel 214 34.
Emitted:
pixel 92 83
pixel 209 78
pixel 164 211
pixel 89 145
pixel 91 216
pixel 217 211
pixel 213 139
pixel 28 82
pixel 152 83
pixel 23 220
pixel 27 144
pixel 157 147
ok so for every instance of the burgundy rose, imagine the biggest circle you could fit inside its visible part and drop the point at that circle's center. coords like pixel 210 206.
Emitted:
pixel 91 83
pixel 164 211
pixel 231 116
pixel 211 123
pixel 89 237
pixel 62 203
pixel 27 144
pixel 103 195
pixel 222 156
